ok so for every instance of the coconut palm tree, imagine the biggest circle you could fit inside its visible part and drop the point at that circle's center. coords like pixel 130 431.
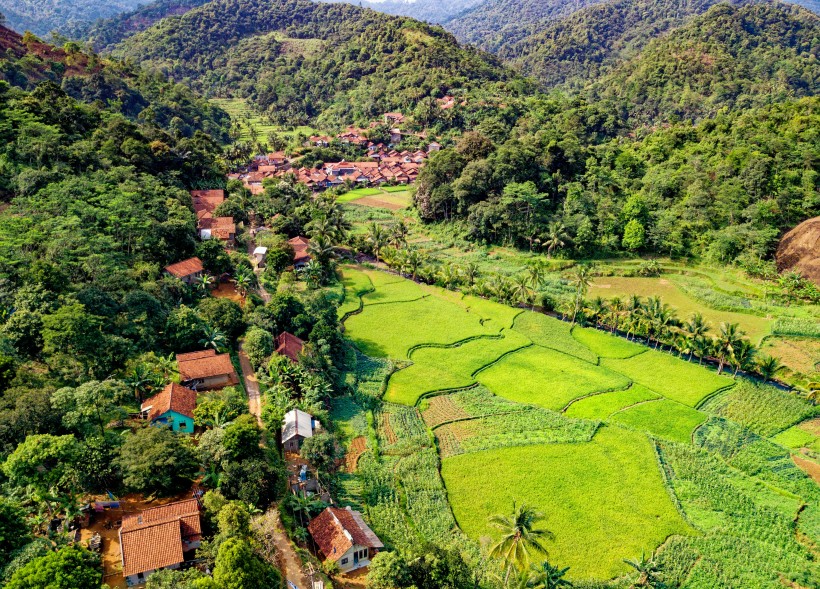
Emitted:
pixel 695 328
pixel 212 337
pixel 768 366
pixel 702 347
pixel 412 262
pixel 398 234
pixel 521 288
pixel 519 537
pixel 742 356
pixel 243 281
pixel 634 310
pixel 536 272
pixel 648 572
pixel 377 237
pixel 547 576
pixel 470 273
pixel 728 337
pixel 616 310
pixel 555 238
pixel 138 380
pixel 581 280
pixel 598 308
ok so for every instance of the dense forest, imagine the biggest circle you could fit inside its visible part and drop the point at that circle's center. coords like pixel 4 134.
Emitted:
pixel 298 60
pixel 490 27
pixel 44 16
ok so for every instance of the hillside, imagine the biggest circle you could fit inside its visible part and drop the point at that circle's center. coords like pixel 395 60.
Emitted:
pixel 495 24
pixel 27 61
pixel 43 16
pixel 731 57
pixel 104 33
pixel 298 59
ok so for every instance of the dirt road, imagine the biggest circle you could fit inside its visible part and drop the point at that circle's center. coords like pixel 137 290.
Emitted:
pixel 251 385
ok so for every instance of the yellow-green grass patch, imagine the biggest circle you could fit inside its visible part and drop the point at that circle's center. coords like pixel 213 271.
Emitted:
pixel 353 195
pixel 547 378
pixel 502 315
pixel 394 292
pixel 672 377
pixel 602 405
pixel 355 283
pixel 605 499
pixel 552 333
pixel 662 418
pixel 436 369
pixel 605 344
pixel 399 188
pixel 391 329
pixel 796 437
pixel 611 286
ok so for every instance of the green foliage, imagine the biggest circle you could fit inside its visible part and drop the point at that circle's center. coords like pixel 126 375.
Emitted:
pixel 258 345
pixel 43 461
pixel 601 406
pixel 71 567
pixel 662 418
pixel 552 333
pixel 156 460
pixel 764 409
pixel 14 531
pixel 223 314
pixel 237 567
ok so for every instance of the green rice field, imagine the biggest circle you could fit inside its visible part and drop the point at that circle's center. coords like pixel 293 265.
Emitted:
pixel 604 500
pixel 620 445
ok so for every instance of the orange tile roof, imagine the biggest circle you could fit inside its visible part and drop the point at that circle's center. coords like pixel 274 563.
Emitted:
pixel 173 397
pixel 185 267
pixel 300 249
pixel 153 539
pixel 337 530
pixel 205 364
pixel 289 345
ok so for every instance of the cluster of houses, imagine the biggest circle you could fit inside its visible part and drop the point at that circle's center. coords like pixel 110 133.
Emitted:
pixel 385 164
pixel 208 226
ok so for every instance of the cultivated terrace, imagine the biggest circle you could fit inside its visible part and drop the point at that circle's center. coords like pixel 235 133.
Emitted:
pixel 403 318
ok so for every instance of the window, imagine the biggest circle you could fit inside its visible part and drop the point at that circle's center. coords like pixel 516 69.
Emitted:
pixel 344 560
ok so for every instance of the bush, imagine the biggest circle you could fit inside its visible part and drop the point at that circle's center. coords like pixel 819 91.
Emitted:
pixel 258 345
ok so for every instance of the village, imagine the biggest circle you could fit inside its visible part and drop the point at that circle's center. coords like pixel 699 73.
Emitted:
pixel 138 537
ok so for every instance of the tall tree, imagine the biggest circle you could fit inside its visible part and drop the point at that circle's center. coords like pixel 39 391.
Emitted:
pixel 520 539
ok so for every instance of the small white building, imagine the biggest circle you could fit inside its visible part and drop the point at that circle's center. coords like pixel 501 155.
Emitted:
pixel 298 426
pixel 344 538
pixel 260 254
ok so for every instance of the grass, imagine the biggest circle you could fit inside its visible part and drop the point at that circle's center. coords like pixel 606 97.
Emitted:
pixel 672 377
pixel 399 188
pixel 436 369
pixel 240 111
pixel 606 345
pixel 796 437
pixel 394 292
pixel 605 499
pixel 764 409
pixel 549 379
pixel 358 193
pixel 391 329
pixel 663 418
pixel 502 315
pixel 552 333
pixel 607 287
pixel 605 404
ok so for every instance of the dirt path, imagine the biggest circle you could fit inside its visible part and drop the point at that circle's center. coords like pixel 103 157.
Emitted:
pixel 251 384
pixel 258 271
pixel 290 563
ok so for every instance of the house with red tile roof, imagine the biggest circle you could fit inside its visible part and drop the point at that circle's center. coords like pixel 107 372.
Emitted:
pixel 188 271
pixel 206 370
pixel 221 228
pixel 172 407
pixel 289 345
pixel 300 247
pixel 158 538
pixel 344 538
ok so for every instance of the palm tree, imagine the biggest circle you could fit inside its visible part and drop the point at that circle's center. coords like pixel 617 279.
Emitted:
pixel 581 280
pixel 519 537
pixel 702 346
pixel 598 308
pixel 411 263
pixel 547 576
pixel 768 366
pixel 377 237
pixel 634 308
pixel 742 356
pixel 212 337
pixel 243 282
pixel 556 234
pixel 536 271
pixel 727 338
pixel 138 380
pixel 322 250
pixel 521 288
pixel 648 572
pixel 616 309
pixel 694 329
pixel 470 273
pixel 398 234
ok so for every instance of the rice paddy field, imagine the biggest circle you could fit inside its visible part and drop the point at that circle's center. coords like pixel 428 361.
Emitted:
pixel 624 448
pixel 251 122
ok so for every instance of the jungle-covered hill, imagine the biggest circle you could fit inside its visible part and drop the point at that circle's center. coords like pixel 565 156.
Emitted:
pixel 44 16
pixel 299 59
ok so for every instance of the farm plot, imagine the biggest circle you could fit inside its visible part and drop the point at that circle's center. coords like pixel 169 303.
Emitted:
pixel 442 409
pixel 437 369
pixel 662 418
pixel 676 379
pixel 391 329
pixel 764 409
pixel 471 403
pixel 552 333
pixel 502 315
pixel 602 405
pixel 605 499
pixel 355 284
pixel 549 379
pixel 606 345
pixel 394 292
pixel 519 428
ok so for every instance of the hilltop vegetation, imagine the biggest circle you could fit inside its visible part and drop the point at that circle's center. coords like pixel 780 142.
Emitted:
pixel 300 60
pixel 44 16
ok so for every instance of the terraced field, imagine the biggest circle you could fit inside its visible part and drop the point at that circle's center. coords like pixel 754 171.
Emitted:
pixel 585 426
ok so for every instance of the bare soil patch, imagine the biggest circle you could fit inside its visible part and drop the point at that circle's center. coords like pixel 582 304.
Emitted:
pixel 810 467
pixel 379 202
pixel 357 448
pixel 799 250
pixel 440 410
